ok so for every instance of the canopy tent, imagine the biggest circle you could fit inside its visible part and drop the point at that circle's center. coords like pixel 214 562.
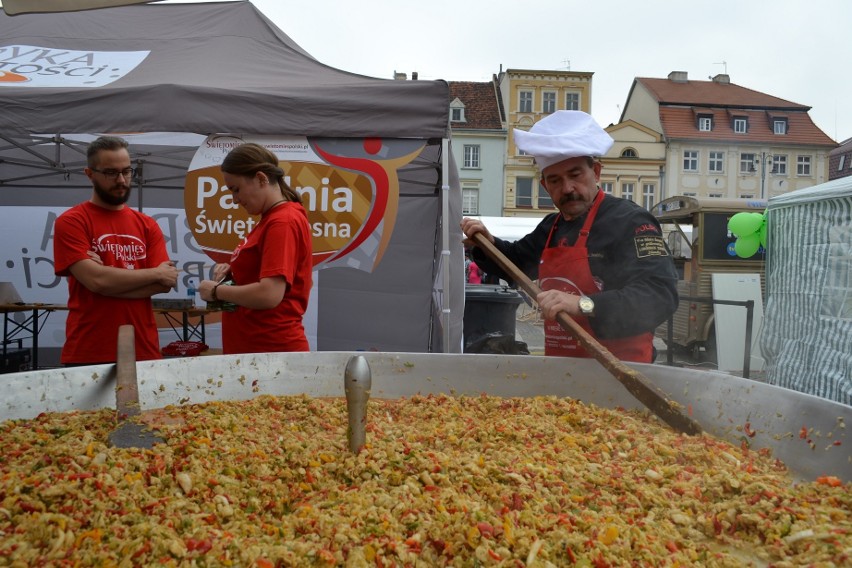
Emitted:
pixel 807 329
pixel 13 7
pixel 209 67
pixel 168 75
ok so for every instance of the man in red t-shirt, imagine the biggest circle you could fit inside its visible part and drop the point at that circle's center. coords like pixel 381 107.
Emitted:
pixel 115 260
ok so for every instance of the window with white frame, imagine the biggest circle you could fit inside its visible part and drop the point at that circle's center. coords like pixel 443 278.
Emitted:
pixel 629 153
pixel 716 162
pixel 779 165
pixel 606 186
pixel 836 294
pixel 572 101
pixel 705 123
pixel 803 165
pixel 779 126
pixel 470 201
pixel 523 192
pixel 740 125
pixel 627 191
pixel 548 102
pixel 649 195
pixel 471 156
pixel 544 200
pixel 747 163
pixel 525 100
pixel 690 160
pixel 457 114
pixel 841 162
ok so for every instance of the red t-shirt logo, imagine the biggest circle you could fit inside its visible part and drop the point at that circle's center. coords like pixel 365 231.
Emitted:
pixel 122 250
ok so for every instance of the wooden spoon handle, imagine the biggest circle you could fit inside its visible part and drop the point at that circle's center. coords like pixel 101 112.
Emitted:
pixel 126 389
pixel 635 382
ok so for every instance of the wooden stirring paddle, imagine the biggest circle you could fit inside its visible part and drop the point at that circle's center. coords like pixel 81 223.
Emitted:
pixel 634 381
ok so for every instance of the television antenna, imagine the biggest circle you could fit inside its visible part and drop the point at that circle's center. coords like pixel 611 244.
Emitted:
pixel 725 63
pixel 567 64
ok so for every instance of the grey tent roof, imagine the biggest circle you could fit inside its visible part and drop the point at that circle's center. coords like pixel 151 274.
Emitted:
pixel 213 67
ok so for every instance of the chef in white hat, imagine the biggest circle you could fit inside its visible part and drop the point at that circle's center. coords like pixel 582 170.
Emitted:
pixel 600 259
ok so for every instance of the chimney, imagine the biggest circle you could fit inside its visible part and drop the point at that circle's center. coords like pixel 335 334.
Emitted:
pixel 722 79
pixel 397 76
pixel 414 75
pixel 678 77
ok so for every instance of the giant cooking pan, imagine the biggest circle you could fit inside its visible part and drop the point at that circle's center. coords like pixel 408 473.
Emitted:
pixel 811 435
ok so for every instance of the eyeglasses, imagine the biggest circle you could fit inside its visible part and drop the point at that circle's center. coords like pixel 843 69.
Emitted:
pixel 126 172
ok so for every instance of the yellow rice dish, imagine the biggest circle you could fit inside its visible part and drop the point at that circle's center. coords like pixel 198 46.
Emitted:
pixel 443 481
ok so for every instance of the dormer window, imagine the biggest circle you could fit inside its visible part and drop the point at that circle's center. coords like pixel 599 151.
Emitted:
pixel 779 126
pixel 741 125
pixel 705 123
pixel 457 111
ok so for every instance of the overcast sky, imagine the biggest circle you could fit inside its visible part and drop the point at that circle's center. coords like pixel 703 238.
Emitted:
pixel 798 50
pixel 793 49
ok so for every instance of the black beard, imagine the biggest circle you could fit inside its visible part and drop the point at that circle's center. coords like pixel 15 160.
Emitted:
pixel 111 199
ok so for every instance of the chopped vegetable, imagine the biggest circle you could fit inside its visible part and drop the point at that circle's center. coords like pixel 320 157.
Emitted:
pixel 442 481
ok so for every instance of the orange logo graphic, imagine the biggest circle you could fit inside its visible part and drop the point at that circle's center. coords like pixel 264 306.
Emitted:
pixel 351 199
pixel 9 77
pixel 337 202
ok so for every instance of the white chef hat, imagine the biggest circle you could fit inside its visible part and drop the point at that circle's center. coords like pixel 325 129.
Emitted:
pixel 562 135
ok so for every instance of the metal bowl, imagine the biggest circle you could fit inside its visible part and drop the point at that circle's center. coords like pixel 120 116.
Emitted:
pixel 807 433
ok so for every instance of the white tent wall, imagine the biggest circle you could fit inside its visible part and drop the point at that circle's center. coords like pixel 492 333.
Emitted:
pixel 509 228
pixel 807 329
pixel 409 302
pixel 450 292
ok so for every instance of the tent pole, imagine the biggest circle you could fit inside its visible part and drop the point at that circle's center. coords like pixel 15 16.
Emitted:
pixel 445 236
pixel 140 176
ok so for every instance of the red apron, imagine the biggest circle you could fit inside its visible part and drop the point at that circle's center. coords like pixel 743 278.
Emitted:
pixel 567 269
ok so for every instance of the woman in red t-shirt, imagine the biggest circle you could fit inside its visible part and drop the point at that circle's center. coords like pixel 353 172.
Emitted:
pixel 474 273
pixel 272 268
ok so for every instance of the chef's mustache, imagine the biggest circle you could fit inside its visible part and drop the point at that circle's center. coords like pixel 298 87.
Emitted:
pixel 569 198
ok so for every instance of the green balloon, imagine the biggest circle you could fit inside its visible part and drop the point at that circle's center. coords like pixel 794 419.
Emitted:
pixel 747 246
pixel 742 224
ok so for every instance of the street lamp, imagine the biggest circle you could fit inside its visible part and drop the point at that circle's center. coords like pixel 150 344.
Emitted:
pixel 765 160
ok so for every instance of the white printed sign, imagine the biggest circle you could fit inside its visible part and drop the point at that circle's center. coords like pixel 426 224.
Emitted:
pixel 27 262
pixel 31 66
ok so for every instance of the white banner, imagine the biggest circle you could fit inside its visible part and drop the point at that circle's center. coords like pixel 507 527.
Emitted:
pixel 32 66
pixel 27 237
